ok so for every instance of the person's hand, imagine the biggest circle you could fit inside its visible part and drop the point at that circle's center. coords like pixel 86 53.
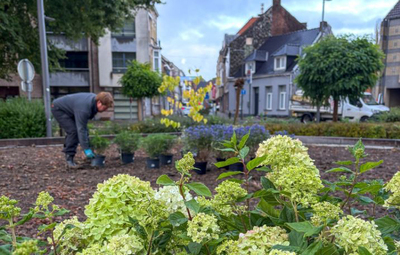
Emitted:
pixel 89 153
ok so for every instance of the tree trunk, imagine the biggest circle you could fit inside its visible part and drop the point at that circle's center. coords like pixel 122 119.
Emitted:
pixel 151 107
pixel 237 105
pixel 318 113
pixel 335 110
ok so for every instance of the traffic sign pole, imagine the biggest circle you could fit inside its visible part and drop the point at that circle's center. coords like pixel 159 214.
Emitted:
pixel 45 66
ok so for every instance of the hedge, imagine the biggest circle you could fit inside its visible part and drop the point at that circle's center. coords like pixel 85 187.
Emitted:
pixel 340 129
pixel 20 118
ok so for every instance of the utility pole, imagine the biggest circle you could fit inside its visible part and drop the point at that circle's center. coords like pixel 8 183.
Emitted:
pixel 45 66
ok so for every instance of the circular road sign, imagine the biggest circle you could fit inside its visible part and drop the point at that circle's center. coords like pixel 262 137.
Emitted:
pixel 26 70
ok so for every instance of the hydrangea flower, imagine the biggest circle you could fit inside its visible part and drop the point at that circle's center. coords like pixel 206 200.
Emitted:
pixel 280 150
pixel 72 239
pixel 261 239
pixel 301 182
pixel 172 198
pixel 95 249
pixel 228 247
pixel 43 201
pixel 394 187
pixel 323 212
pixel 186 163
pixel 115 200
pixel 27 247
pixel 125 244
pixel 203 228
pixel 8 210
pixel 229 191
pixel 351 232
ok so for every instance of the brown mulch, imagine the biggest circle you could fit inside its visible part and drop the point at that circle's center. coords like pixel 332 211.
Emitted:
pixel 24 172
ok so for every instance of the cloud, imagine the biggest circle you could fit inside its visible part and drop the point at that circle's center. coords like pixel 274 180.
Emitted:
pixel 191 35
pixel 224 22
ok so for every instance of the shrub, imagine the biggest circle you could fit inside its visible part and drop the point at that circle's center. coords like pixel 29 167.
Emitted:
pixel 128 142
pixel 198 140
pixel 99 144
pixel 20 118
pixel 166 142
pixel 391 116
pixel 151 145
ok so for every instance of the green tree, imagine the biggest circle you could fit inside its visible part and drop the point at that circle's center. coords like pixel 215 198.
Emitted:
pixel 340 67
pixel 73 18
pixel 140 81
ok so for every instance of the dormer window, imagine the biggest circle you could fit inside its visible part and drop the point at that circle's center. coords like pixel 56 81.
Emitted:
pixel 251 66
pixel 280 63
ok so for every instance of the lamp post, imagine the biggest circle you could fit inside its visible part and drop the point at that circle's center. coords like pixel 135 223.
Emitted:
pixel 323 9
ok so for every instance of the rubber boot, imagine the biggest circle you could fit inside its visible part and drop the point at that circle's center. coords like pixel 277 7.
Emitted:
pixel 70 162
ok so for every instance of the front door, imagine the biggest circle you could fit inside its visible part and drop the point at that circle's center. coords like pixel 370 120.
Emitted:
pixel 256 96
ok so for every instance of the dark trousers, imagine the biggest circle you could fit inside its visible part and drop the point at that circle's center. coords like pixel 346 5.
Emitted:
pixel 68 124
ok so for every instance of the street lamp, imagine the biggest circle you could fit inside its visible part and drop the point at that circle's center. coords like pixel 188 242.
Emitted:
pixel 323 9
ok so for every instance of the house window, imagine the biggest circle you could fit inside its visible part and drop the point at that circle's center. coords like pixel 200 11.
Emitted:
pixel 251 66
pixel 128 30
pixel 156 60
pixel 394 57
pixel 280 63
pixel 268 101
pixel 282 97
pixel 393 70
pixel 121 61
pixel 395 44
pixel 75 60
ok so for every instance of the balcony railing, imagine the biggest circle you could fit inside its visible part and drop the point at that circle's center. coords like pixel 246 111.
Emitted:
pixel 71 77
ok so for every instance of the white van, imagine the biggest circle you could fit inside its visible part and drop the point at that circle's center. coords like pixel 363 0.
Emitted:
pixel 354 110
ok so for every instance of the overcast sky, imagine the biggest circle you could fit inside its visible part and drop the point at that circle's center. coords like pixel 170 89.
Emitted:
pixel 192 31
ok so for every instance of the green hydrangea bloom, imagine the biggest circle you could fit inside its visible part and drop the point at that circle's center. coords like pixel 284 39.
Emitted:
pixel 351 232
pixel 279 252
pixel 8 210
pixel 116 199
pixel 394 187
pixel 95 249
pixel 323 212
pixel 203 228
pixel 73 239
pixel 280 150
pixel 260 240
pixel 27 248
pixel 303 183
pixel 228 247
pixel 186 163
pixel 125 245
pixel 43 201
pixel 228 192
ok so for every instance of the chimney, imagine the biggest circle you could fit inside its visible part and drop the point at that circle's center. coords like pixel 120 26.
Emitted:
pixel 304 24
pixel 262 9
pixel 276 3
pixel 322 25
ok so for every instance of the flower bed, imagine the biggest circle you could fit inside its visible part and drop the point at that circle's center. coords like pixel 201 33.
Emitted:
pixel 297 212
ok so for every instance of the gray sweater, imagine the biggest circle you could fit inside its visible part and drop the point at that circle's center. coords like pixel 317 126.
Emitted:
pixel 81 107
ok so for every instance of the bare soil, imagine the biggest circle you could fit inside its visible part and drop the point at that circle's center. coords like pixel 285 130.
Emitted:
pixel 24 172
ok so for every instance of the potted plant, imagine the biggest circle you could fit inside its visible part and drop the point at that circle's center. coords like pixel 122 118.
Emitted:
pixel 99 145
pixel 128 143
pixel 151 145
pixel 221 133
pixel 198 140
pixel 166 142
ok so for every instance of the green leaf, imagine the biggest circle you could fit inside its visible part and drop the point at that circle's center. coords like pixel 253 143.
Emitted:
pixel 263 169
pixel 304 227
pixel 354 211
pixel 227 162
pixel 243 152
pixel 227 149
pixel 61 212
pixel 287 215
pixel 199 189
pixel 5 249
pixel 255 162
pixel 328 249
pixel 194 248
pixel 227 174
pixel 286 248
pixel 165 180
pixel 296 238
pixel 267 184
pixel 344 163
pixel 243 140
pixel 313 248
pixel 45 227
pixel 193 205
pixel 27 217
pixel 234 139
pixel 339 169
pixel 389 243
pixel 369 165
pixel 365 200
pixel 177 219
pixel 4 236
pixel 387 225
pixel 139 229
pixel 363 251
pixel 268 208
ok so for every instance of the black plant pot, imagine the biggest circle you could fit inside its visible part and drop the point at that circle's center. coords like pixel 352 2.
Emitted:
pixel 98 161
pixel 202 167
pixel 153 163
pixel 236 167
pixel 221 160
pixel 166 159
pixel 127 158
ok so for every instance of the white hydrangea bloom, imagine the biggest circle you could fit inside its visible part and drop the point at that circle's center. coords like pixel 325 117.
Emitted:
pixel 172 198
